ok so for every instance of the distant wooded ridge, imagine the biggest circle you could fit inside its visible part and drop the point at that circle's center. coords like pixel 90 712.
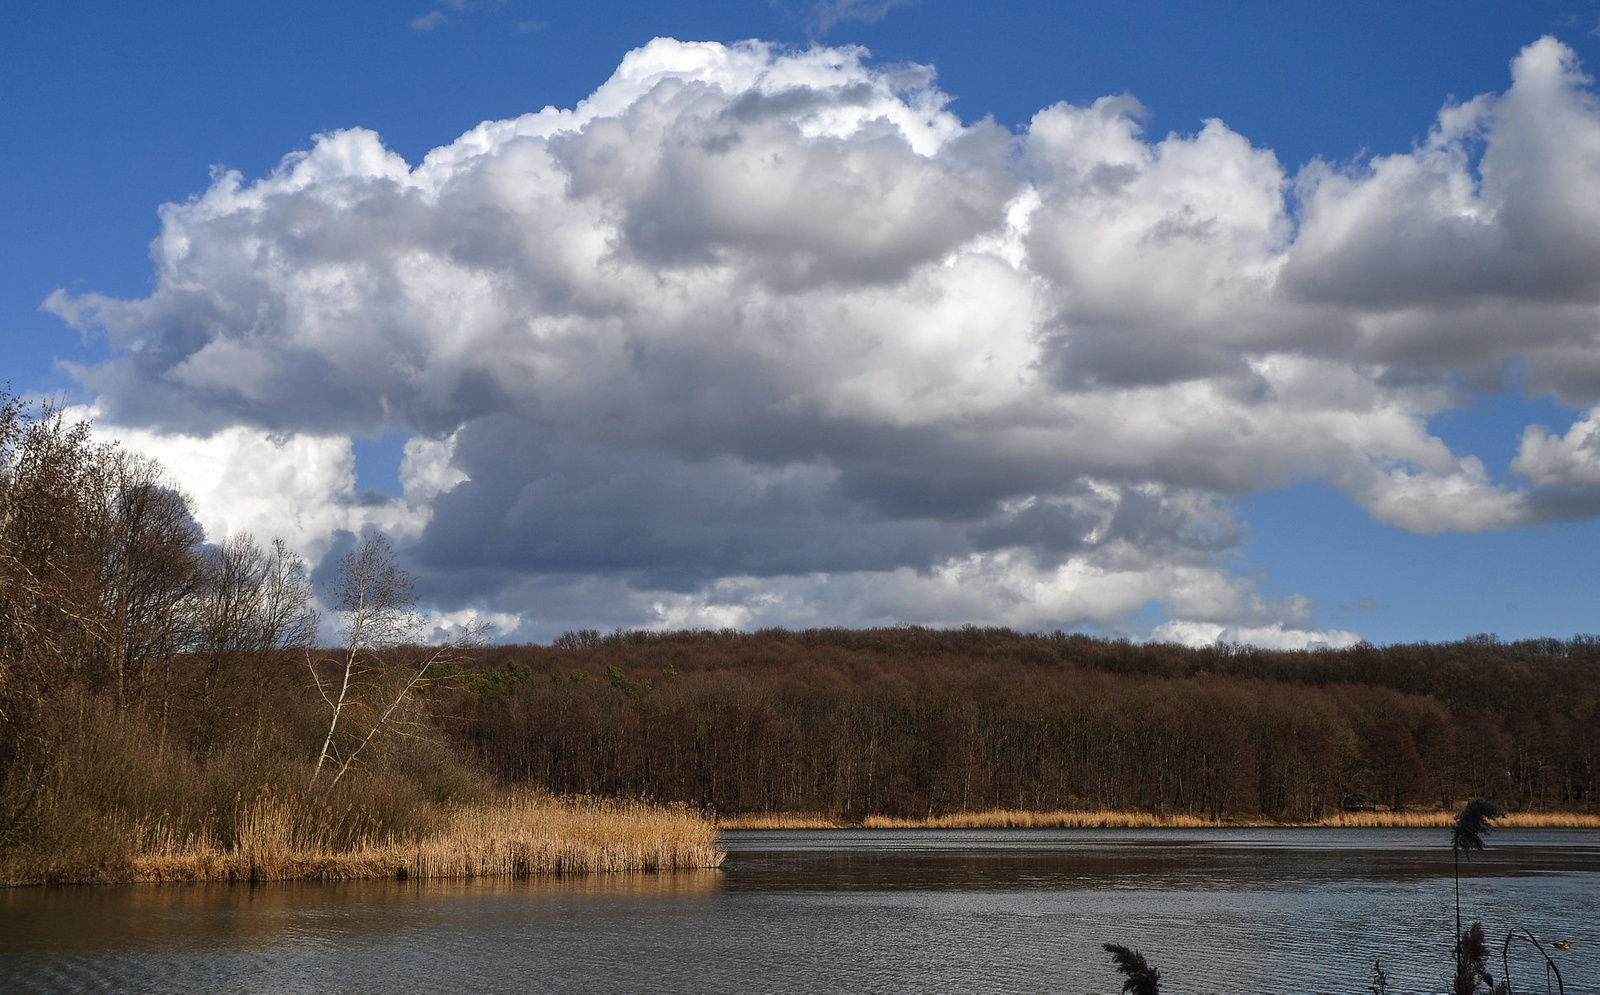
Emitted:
pixel 914 721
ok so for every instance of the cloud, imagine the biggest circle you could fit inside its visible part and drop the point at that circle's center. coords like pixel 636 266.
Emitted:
pixel 444 13
pixel 1272 637
pixel 829 14
pixel 1572 460
pixel 755 335
pixel 1489 223
pixel 300 487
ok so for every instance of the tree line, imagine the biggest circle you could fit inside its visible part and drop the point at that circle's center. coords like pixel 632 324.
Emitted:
pixel 915 722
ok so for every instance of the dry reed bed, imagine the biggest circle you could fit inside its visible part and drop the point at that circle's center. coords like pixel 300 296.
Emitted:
pixel 779 820
pixel 282 838
pixel 1439 819
pixel 1020 819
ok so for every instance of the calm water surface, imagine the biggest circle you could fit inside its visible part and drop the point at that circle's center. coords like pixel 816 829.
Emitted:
pixel 947 911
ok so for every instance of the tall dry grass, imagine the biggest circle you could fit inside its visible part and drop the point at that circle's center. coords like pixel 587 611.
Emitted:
pixel 1019 819
pixel 1072 819
pixel 289 837
pixel 124 803
pixel 779 820
pixel 991 819
pixel 1439 819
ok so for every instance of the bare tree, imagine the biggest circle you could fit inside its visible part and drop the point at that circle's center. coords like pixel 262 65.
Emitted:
pixel 367 685
pixel 49 472
pixel 96 561
pixel 144 546
pixel 252 602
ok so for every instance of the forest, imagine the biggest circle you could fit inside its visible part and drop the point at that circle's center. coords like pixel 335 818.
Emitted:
pixel 917 722
pixel 157 688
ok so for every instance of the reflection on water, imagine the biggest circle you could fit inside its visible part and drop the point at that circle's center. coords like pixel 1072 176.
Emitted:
pixel 262 916
pixel 1140 859
pixel 949 910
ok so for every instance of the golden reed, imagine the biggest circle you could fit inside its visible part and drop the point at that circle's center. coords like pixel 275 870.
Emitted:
pixel 780 820
pixel 1439 818
pixel 1017 819
pixel 1073 819
pixel 285 838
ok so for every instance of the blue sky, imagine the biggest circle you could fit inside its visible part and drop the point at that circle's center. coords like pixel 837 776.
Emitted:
pixel 726 464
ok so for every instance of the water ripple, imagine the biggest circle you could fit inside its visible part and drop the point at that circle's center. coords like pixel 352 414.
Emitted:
pixel 1017 911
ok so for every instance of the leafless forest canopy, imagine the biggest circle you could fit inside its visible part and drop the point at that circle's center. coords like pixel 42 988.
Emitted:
pixel 913 721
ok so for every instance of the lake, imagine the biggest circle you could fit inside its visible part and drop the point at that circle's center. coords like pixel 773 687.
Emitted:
pixel 1260 910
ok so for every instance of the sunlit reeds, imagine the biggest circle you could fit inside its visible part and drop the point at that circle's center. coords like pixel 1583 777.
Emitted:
pixel 1019 819
pixel 779 820
pixel 1109 819
pixel 1443 819
pixel 283 837
pixel 531 835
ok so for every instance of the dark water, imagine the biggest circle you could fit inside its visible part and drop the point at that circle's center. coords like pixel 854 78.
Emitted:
pixel 951 911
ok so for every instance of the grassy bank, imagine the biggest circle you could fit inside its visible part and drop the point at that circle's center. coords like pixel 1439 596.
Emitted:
pixel 290 837
pixel 122 803
pixel 1021 819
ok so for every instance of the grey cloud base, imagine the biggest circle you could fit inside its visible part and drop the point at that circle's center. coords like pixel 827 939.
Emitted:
pixel 759 336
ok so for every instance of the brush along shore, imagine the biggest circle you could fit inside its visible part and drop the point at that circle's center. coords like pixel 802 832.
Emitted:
pixel 1072 819
pixel 289 837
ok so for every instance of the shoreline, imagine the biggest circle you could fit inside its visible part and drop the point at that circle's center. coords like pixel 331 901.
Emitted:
pixel 531 836
pixel 1068 819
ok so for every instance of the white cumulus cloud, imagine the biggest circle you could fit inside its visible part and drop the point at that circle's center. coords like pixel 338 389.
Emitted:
pixel 755 335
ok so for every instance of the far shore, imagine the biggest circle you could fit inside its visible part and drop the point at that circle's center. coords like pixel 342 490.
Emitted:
pixel 1022 819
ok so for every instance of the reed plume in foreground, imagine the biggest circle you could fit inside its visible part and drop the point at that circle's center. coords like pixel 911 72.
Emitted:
pixel 1472 964
pixel 1139 978
pixel 1471 825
